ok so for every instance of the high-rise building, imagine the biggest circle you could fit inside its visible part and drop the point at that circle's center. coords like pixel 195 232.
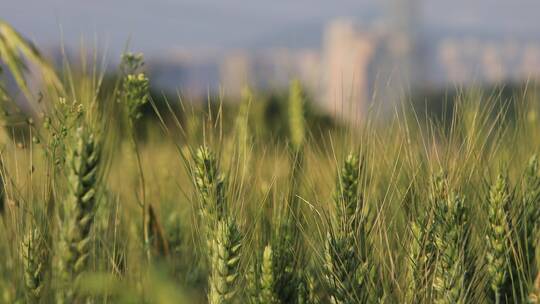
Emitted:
pixel 358 66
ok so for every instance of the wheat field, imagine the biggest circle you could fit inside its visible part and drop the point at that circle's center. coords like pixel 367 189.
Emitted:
pixel 213 203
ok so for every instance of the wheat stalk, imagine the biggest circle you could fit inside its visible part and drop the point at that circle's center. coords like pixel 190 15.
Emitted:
pixel 12 49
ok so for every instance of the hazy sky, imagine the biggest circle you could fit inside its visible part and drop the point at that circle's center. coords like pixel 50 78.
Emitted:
pixel 158 25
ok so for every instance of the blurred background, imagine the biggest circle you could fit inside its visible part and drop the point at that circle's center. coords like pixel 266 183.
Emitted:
pixel 346 53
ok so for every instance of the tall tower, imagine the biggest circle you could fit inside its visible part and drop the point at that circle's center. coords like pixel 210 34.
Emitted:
pixel 347 55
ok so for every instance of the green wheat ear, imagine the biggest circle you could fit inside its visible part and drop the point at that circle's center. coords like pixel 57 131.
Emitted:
pixel 135 85
pixel 348 198
pixel 307 289
pixel 253 281
pixel 136 88
pixel 450 238
pixel 530 213
pixel 225 262
pixel 528 224
pixel 83 166
pixel 285 259
pixel 211 190
pixel 296 115
pixel 340 268
pixel 498 201
pixel 422 248
pixel 210 184
pixel 268 280
pixel 35 264
pixel 349 269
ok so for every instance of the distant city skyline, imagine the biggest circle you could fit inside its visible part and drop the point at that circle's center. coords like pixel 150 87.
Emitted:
pixel 345 52
pixel 158 26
